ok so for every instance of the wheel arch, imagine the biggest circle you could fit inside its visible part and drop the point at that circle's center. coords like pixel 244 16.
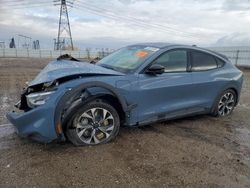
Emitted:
pixel 111 95
pixel 236 92
pixel 113 101
pixel 228 87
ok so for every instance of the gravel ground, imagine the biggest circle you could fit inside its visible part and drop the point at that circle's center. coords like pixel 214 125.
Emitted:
pixel 198 151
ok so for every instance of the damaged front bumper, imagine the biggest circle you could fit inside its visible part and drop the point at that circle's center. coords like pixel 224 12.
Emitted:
pixel 37 123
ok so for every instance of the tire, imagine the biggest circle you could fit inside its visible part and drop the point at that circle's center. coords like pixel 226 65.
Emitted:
pixel 224 104
pixel 93 123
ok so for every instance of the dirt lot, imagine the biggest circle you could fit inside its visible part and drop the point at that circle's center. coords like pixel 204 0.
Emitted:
pixel 192 152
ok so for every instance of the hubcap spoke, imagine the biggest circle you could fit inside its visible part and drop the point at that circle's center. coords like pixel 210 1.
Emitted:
pixel 105 130
pixel 91 137
pixel 93 112
pixel 221 104
pixel 81 132
pixel 83 129
pixel 81 126
pixel 106 116
pixel 109 117
pixel 87 116
pixel 96 140
pixel 104 113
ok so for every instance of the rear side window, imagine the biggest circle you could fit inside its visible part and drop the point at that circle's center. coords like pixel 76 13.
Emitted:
pixel 220 63
pixel 202 61
pixel 173 61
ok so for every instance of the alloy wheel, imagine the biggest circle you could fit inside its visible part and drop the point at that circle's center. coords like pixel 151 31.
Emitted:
pixel 226 104
pixel 95 125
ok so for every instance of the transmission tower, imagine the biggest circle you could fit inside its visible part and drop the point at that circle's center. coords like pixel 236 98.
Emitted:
pixel 64 37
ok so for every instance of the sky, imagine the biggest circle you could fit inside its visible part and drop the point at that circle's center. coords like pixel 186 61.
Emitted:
pixel 116 23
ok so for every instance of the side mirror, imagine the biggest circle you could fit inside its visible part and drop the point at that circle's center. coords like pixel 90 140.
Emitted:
pixel 155 69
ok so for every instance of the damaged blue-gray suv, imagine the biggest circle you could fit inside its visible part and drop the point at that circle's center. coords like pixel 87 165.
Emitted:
pixel 136 85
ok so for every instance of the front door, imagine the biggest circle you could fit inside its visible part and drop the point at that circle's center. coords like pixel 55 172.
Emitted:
pixel 169 94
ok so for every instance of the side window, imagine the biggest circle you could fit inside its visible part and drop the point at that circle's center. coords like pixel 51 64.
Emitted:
pixel 173 61
pixel 220 62
pixel 202 61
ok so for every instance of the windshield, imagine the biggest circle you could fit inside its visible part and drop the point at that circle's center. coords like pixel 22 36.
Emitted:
pixel 127 59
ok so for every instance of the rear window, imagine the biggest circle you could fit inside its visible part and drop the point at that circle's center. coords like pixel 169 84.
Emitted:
pixel 203 61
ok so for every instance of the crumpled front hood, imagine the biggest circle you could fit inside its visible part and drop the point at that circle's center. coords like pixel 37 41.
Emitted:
pixel 62 68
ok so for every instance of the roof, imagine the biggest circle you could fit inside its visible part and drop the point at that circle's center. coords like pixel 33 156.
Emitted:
pixel 167 45
pixel 156 44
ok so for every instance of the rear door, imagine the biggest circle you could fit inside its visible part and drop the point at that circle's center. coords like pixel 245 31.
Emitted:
pixel 168 94
pixel 206 78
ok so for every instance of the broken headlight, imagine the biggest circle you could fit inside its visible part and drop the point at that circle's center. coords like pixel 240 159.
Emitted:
pixel 38 98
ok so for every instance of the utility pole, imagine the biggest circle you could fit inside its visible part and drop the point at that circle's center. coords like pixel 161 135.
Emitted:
pixel 26 44
pixel 64 37
pixel 2 44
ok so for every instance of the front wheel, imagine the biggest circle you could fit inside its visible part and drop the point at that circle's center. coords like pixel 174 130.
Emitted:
pixel 93 123
pixel 225 103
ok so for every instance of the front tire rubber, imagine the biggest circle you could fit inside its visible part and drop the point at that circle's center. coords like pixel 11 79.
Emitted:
pixel 225 103
pixel 94 123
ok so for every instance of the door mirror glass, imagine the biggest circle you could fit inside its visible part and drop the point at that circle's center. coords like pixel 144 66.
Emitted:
pixel 155 69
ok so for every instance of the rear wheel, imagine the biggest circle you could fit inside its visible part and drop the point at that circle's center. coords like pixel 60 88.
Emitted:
pixel 225 103
pixel 93 123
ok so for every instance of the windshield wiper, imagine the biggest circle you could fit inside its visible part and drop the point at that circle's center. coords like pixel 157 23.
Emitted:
pixel 106 66
pixel 112 68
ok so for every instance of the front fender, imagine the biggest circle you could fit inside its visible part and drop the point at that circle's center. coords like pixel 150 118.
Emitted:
pixel 69 96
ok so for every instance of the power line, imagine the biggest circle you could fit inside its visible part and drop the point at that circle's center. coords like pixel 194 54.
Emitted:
pixel 108 14
pixel 136 19
pixel 133 20
pixel 27 7
pixel 26 4
pixel 12 1
pixel 111 16
pixel 137 23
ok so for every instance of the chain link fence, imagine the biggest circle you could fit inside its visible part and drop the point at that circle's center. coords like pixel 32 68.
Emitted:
pixel 237 55
pixel 87 53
